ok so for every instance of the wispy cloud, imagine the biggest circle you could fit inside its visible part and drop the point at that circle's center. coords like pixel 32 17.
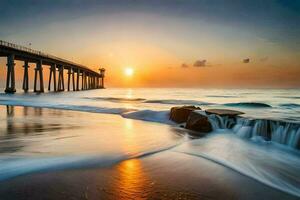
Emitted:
pixel 184 65
pixel 200 63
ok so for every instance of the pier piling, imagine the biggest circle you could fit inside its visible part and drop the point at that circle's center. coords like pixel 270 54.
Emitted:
pixel 38 74
pixel 25 86
pixel 10 76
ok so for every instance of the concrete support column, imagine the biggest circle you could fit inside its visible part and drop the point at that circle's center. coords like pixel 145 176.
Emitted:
pixel 69 78
pixel 102 82
pixel 25 86
pixel 10 78
pixel 71 73
pixel 87 81
pixel 82 80
pixel 91 80
pixel 73 79
pixel 77 80
pixel 52 72
pixel 94 82
pixel 39 75
pixel 61 83
pixel 97 82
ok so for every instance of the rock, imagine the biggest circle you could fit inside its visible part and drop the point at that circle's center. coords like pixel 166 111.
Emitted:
pixel 224 112
pixel 181 114
pixel 198 122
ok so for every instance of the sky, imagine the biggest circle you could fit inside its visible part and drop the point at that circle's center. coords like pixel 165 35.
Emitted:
pixel 167 43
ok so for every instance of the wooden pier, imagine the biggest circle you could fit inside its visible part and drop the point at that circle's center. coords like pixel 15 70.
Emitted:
pixel 57 66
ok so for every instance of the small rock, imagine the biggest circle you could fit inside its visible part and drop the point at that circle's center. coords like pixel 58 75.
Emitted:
pixel 198 122
pixel 224 112
pixel 181 114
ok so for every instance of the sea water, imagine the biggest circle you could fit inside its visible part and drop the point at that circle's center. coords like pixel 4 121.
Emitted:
pixel 262 144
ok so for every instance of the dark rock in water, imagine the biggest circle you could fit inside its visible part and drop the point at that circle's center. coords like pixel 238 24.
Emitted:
pixel 198 122
pixel 224 112
pixel 181 114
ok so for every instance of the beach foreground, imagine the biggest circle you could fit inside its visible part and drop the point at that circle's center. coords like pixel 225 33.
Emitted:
pixel 167 175
pixel 59 154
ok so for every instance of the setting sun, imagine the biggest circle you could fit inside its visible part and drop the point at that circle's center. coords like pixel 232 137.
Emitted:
pixel 129 71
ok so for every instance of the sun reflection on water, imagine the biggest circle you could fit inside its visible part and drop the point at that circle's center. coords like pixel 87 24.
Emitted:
pixel 132 180
pixel 129 94
pixel 129 142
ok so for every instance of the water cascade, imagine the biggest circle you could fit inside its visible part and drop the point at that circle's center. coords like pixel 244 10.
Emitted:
pixel 285 133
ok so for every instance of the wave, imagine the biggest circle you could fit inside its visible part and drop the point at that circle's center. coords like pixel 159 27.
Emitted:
pixel 267 162
pixel 149 115
pixel 11 167
pixel 178 102
pixel 267 178
pixel 222 96
pixel 290 105
pixel 146 115
pixel 117 99
pixel 154 101
pixel 283 133
pixel 249 105
pixel 289 97
pixel 84 108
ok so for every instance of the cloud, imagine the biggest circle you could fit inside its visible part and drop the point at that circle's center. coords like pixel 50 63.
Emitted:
pixel 184 65
pixel 200 63
pixel 246 60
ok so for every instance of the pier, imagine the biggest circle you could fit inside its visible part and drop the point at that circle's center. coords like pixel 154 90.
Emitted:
pixel 57 67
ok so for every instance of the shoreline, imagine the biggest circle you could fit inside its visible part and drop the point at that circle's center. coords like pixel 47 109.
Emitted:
pixel 162 117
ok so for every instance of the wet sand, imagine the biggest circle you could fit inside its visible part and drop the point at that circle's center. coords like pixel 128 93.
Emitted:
pixel 37 135
pixel 167 175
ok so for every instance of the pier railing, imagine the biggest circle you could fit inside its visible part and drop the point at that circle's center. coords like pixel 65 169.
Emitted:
pixel 39 53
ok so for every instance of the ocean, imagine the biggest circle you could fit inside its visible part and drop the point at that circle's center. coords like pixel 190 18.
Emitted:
pixel 99 128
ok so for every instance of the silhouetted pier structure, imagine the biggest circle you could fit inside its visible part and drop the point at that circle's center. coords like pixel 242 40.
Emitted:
pixel 89 78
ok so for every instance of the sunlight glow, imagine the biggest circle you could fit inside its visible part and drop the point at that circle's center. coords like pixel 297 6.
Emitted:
pixel 129 71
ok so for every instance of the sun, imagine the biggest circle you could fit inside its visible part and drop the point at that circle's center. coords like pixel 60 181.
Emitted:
pixel 128 71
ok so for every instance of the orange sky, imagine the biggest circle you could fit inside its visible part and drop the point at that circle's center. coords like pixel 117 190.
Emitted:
pixel 157 39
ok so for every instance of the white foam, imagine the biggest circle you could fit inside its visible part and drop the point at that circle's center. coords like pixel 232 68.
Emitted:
pixel 149 115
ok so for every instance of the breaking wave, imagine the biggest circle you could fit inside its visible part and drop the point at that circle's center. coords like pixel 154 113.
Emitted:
pixel 178 102
pixel 290 105
pixel 249 105
pixel 16 166
pixel 222 96
pixel 116 99
pixel 149 115
pixel 265 164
